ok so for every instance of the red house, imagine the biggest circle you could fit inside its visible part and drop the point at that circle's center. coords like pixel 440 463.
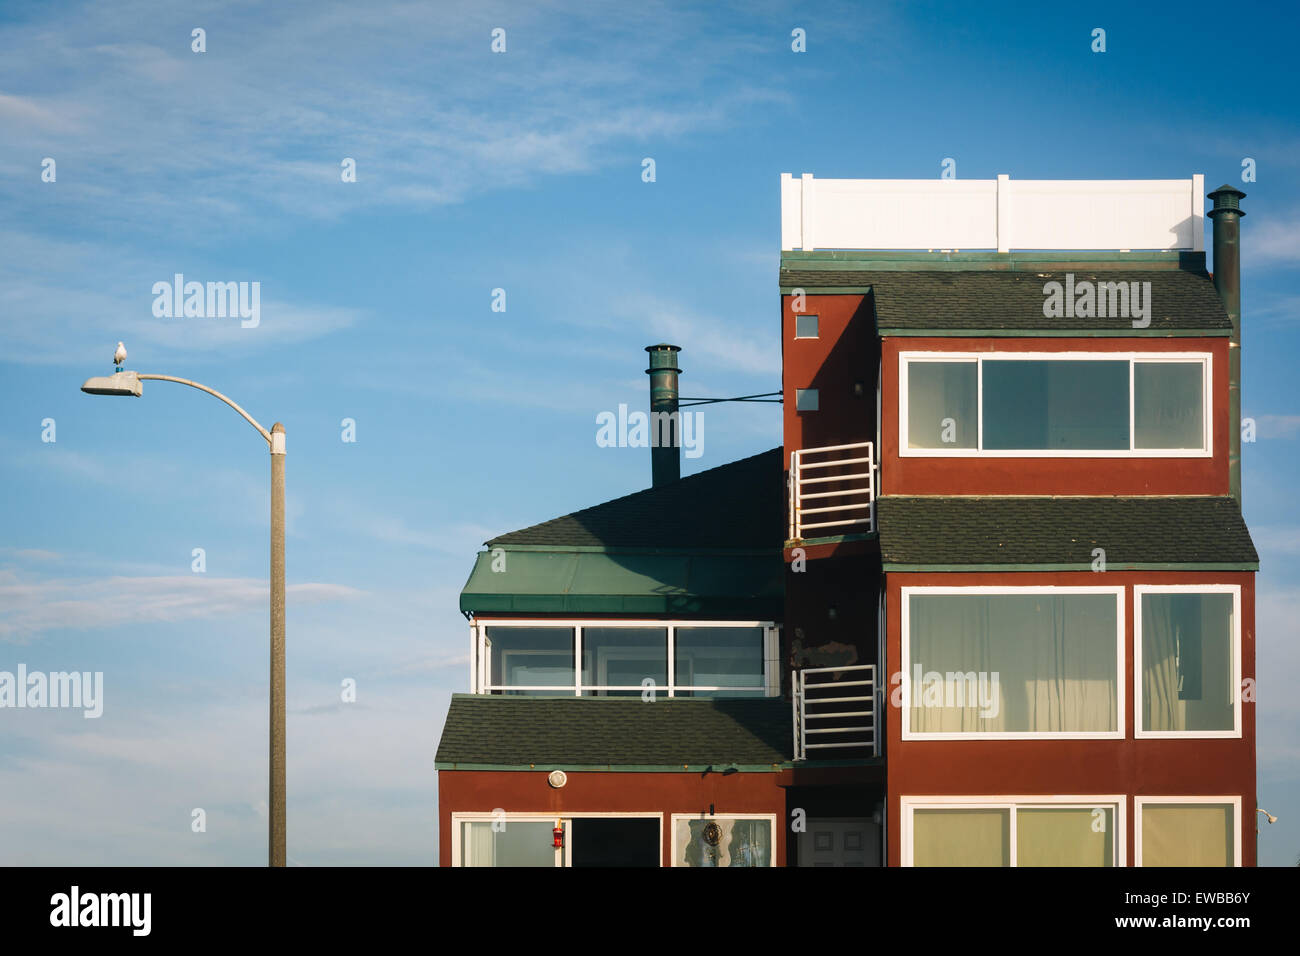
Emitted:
pixel 991 604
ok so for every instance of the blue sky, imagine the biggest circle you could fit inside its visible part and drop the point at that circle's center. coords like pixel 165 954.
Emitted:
pixel 478 171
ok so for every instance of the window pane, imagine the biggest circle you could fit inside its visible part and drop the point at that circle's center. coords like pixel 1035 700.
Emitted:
pixel 519 843
pixel 1012 663
pixel 961 837
pixel 538 656
pixel 1065 836
pixel 1168 405
pixel 1187 834
pixel 723 842
pixel 806 399
pixel 624 656
pixel 805 326
pixel 941 399
pixel 719 657
pixel 1187 662
pixel 1057 405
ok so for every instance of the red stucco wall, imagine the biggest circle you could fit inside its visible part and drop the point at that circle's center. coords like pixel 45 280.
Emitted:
pixel 844 353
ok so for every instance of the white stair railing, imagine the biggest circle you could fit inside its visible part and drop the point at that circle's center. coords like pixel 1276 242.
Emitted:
pixel 832 714
pixel 841 486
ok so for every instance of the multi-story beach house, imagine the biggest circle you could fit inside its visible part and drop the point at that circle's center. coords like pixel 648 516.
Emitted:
pixel 990 604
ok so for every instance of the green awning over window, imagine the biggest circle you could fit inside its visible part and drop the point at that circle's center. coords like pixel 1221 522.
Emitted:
pixel 600 582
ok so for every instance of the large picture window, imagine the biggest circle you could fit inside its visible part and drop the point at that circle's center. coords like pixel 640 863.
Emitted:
pixel 1188 831
pixel 1012 662
pixel 1013 831
pixel 1187 655
pixel 1065 404
pixel 624 658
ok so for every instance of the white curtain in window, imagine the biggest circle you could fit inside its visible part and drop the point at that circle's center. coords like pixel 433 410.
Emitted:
pixel 476 844
pixel 1013 663
pixel 1187 662
pixel 519 843
pixel 1187 834
pixel 961 837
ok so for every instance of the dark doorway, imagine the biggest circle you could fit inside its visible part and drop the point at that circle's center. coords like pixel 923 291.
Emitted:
pixel 615 841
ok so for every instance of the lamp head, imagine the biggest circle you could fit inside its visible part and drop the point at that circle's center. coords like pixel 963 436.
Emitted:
pixel 121 383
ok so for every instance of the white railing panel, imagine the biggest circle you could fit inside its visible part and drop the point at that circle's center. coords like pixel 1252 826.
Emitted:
pixel 850 510
pixel 822 727
pixel 1001 214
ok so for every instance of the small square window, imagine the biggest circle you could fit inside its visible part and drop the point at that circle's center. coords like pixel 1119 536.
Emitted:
pixel 805 326
pixel 805 399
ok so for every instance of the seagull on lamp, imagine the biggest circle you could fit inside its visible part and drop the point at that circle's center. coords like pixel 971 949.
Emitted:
pixel 119 357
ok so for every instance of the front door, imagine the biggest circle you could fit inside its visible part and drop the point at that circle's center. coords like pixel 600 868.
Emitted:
pixel 840 842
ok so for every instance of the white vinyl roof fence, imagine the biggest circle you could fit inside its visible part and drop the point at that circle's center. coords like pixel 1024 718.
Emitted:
pixel 1003 214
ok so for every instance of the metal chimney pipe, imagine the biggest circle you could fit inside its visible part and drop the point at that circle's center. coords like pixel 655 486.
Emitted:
pixel 1227 215
pixel 665 434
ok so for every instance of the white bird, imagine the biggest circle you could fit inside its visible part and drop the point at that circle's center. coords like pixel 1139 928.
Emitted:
pixel 120 355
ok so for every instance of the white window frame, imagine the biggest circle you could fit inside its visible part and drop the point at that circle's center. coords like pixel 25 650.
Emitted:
pixel 1115 802
pixel 676 847
pixel 807 315
pixel 563 856
pixel 1235 801
pixel 482 658
pixel 1234 682
pixel 979 451
pixel 1120 676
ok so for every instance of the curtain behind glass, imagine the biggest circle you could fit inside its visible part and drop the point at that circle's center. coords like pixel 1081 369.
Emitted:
pixel 1187 834
pixel 1187 662
pixel 521 843
pixel 937 391
pixel 1168 405
pixel 961 837
pixel 1065 836
pixel 1054 657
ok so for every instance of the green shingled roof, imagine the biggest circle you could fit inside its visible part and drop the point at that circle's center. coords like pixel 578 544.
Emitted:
pixel 557 733
pixel 734 507
pixel 578 582
pixel 909 302
pixel 1047 532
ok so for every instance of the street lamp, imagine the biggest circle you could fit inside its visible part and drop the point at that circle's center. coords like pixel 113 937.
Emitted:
pixel 128 383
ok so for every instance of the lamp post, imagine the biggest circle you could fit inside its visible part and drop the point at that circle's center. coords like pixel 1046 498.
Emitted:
pixel 128 383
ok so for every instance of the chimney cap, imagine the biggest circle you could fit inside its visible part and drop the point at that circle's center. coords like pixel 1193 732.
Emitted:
pixel 665 345
pixel 1227 198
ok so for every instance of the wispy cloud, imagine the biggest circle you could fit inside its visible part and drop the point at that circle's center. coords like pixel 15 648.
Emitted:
pixel 31 604
pixel 136 118
pixel 1277 426
pixel 1274 240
